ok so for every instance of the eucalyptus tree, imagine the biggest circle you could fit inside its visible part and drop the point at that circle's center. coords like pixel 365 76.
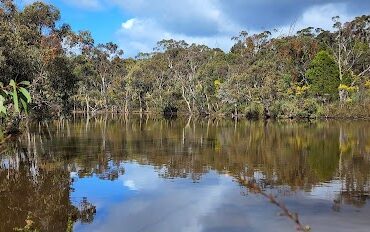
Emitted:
pixel 161 93
pixel 120 90
pixel 295 54
pixel 188 82
pixel 141 83
pixel 251 86
pixel 183 63
pixel 350 49
pixel 101 57
pixel 88 88
pixel 211 75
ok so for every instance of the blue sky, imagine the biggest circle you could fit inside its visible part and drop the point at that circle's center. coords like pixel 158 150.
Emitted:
pixel 136 25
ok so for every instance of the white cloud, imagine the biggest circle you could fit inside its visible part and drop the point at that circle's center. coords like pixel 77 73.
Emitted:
pixel 319 17
pixel 129 24
pixel 176 209
pixel 130 184
pixel 194 21
pixel 141 35
pixel 322 15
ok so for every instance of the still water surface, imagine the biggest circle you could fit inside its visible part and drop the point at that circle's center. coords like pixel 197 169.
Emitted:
pixel 117 174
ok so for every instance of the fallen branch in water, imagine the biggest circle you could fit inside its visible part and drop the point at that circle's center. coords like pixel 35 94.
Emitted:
pixel 286 212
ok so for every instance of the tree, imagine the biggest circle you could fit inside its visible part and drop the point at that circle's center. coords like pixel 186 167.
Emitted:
pixel 323 76
pixel 350 47
pixel 32 50
pixel 102 57
pixel 211 75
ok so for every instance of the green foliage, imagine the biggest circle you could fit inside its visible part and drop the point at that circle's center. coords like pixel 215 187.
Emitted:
pixel 323 76
pixel 309 108
pixel 2 106
pixel 297 108
pixel 254 110
pixel 13 95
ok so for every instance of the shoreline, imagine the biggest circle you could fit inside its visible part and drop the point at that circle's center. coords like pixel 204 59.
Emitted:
pixel 219 116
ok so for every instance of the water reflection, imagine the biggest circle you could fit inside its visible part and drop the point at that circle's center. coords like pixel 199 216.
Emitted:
pixel 145 174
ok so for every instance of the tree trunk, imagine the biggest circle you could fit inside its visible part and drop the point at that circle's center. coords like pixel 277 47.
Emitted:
pixel 146 106
pixel 266 110
pixel 186 100
pixel 87 105
pixel 103 92
pixel 126 102
pixel 208 105
pixel 141 108
pixel 235 111
pixel 342 95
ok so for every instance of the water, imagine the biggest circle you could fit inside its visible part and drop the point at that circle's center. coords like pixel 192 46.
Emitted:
pixel 111 173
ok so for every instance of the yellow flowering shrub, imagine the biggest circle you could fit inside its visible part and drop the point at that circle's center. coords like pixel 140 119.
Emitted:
pixel 367 84
pixel 301 90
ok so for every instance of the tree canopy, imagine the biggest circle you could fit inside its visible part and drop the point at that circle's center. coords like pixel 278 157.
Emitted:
pixel 323 76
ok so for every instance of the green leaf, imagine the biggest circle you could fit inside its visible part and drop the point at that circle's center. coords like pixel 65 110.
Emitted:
pixel 26 94
pixel 15 96
pixel 25 83
pixel 13 84
pixel 25 105
pixel 2 107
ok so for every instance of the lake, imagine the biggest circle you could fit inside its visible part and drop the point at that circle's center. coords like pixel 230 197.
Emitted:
pixel 116 173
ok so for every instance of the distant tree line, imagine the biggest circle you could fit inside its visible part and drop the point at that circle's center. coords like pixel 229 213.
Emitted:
pixel 313 73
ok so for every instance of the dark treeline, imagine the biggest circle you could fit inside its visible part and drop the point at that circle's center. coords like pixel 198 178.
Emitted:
pixel 313 73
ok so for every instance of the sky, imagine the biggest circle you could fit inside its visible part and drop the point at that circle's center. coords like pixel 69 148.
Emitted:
pixel 137 25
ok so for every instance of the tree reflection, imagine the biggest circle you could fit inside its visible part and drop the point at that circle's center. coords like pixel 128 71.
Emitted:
pixel 37 193
pixel 297 155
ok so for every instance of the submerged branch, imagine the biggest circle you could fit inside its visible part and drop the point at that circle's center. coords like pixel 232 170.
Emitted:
pixel 286 212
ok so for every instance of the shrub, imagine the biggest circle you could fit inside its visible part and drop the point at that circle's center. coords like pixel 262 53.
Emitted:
pixel 253 110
